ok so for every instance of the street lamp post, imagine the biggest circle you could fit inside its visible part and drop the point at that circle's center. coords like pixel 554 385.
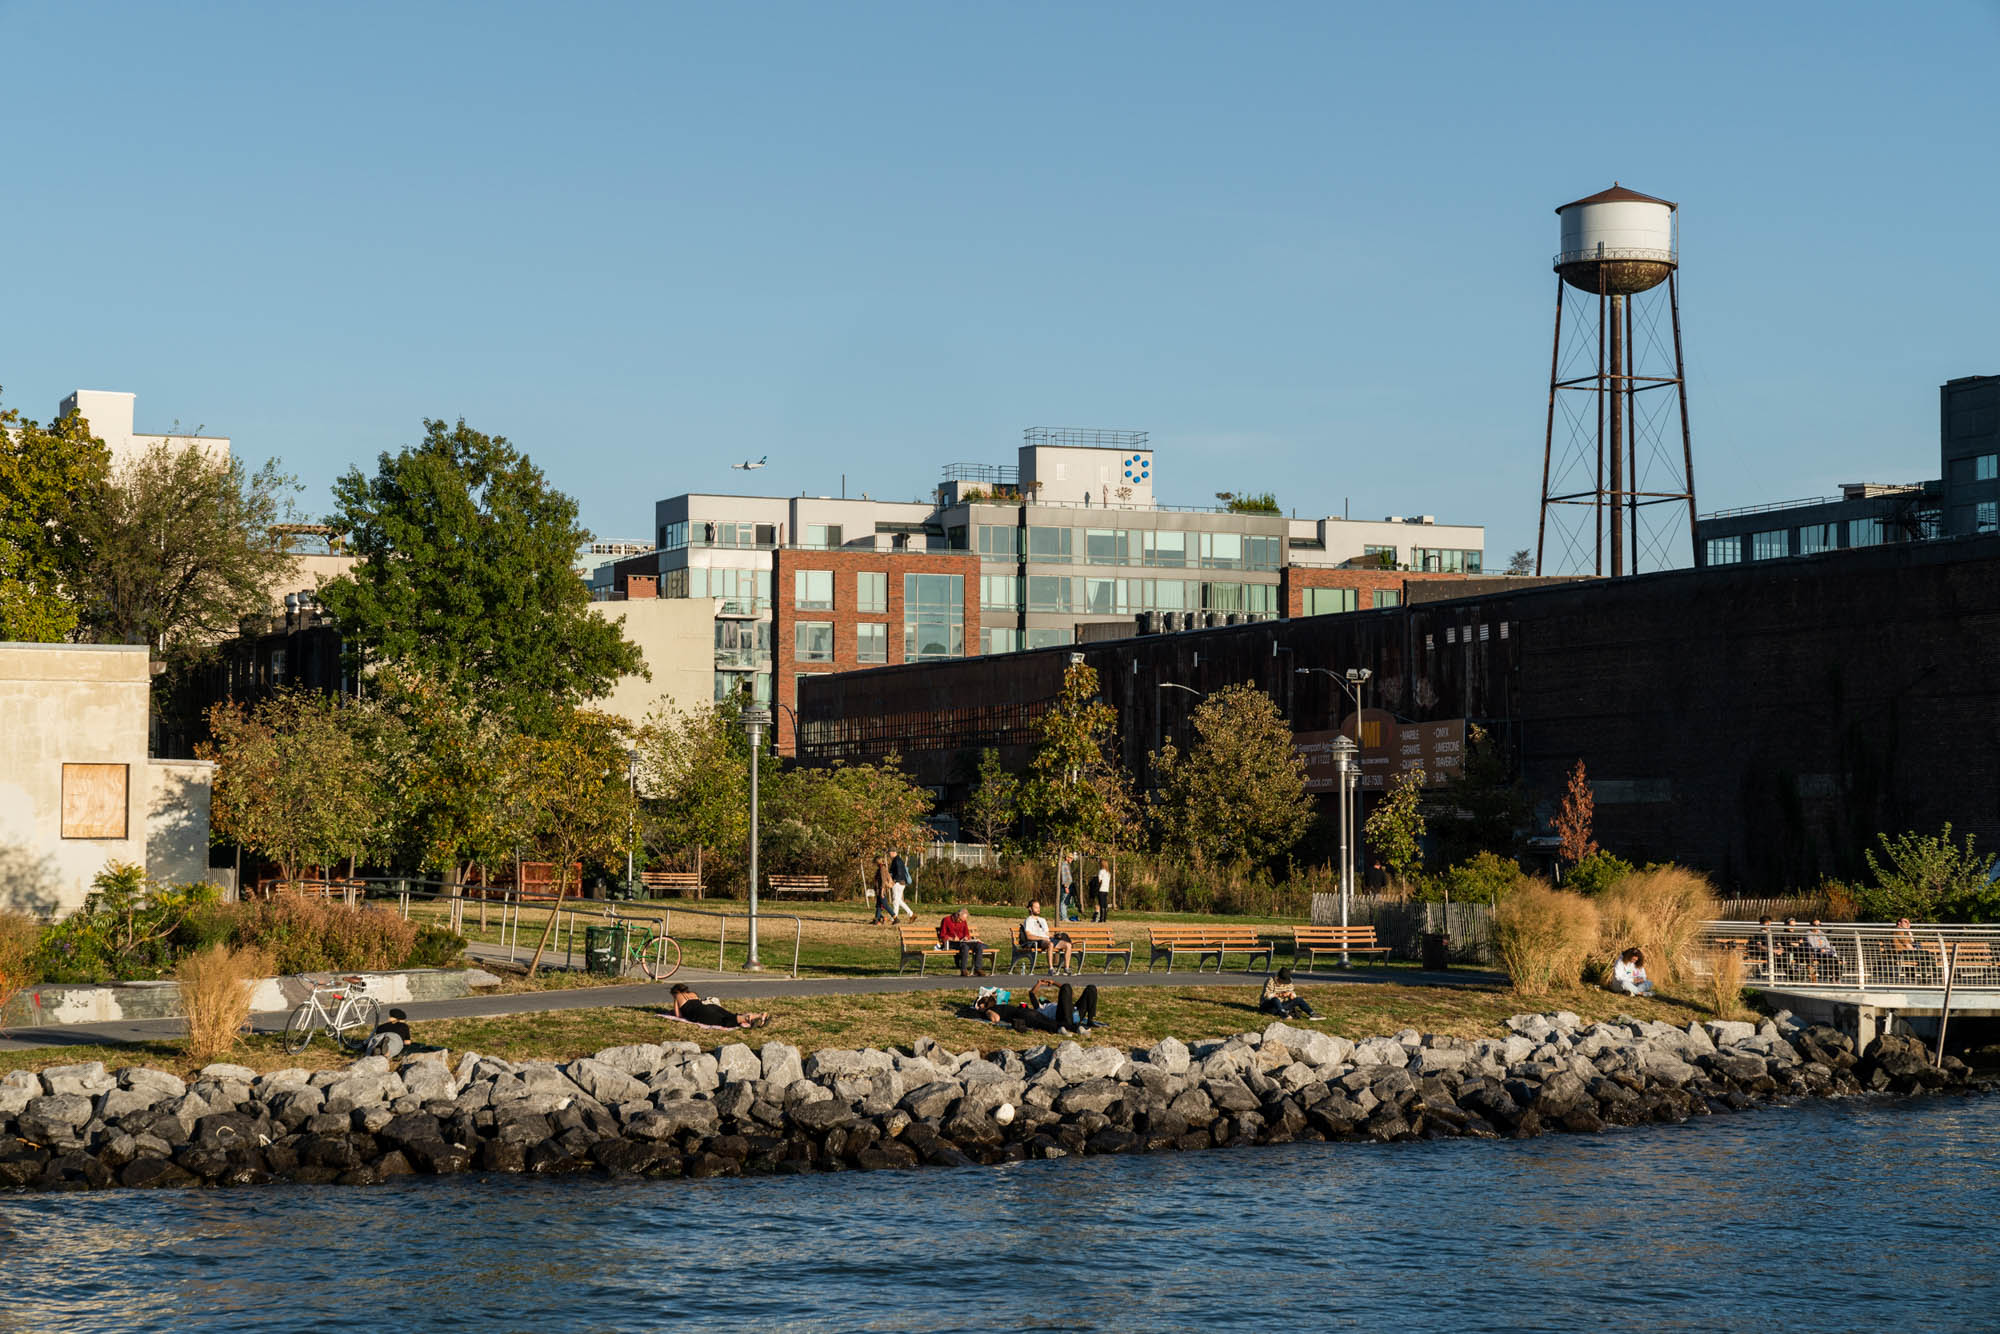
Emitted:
pixel 1344 767
pixel 755 720
pixel 631 815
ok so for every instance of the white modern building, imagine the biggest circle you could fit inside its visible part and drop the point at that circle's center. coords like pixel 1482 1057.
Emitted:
pixel 110 414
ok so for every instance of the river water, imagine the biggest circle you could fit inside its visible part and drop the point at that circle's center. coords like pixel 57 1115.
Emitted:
pixel 1863 1215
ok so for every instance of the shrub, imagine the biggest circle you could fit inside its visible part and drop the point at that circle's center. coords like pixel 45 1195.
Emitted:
pixel 216 985
pixel 20 934
pixel 1660 910
pixel 1596 871
pixel 1724 983
pixel 125 930
pixel 311 936
pixel 1543 936
pixel 436 947
pixel 1928 877
pixel 1485 878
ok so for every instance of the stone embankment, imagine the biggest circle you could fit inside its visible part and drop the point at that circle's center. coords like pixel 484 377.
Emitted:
pixel 676 1110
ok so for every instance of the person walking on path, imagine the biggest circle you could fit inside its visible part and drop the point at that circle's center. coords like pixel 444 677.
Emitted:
pixel 1066 905
pixel 1103 891
pixel 881 893
pixel 899 881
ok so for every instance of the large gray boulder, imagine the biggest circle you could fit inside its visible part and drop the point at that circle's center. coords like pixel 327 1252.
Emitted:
pixel 1381 1051
pixel 114 1103
pixel 1729 1032
pixel 738 1063
pixel 930 1101
pixel 609 1086
pixel 639 1060
pixel 1092 1095
pixel 18 1088
pixel 781 1063
pixel 88 1079
pixel 1075 1063
pixel 428 1079
pixel 1170 1055
pixel 145 1077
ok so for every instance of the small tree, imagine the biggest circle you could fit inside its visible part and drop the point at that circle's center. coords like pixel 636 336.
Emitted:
pixel 1521 562
pixel 1240 792
pixel 1928 877
pixel 841 819
pixel 1575 817
pixel 569 797
pixel 450 768
pixel 1395 828
pixel 47 477
pixel 995 801
pixel 1077 793
pixel 694 771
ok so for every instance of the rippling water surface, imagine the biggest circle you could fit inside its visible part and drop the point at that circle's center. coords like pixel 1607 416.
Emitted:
pixel 1856 1216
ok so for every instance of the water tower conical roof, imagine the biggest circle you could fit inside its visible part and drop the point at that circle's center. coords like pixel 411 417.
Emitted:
pixel 1618 194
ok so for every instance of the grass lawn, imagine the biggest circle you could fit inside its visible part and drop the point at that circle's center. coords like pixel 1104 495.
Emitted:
pixel 1130 1017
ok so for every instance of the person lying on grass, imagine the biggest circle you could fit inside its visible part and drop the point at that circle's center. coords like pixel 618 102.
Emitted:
pixel 1067 1012
pixel 686 1005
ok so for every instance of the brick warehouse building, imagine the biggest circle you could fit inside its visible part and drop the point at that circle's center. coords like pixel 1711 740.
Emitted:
pixel 1761 721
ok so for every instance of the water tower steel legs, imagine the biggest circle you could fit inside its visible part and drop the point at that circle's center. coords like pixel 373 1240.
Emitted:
pixel 1681 387
pixel 1615 383
pixel 1549 434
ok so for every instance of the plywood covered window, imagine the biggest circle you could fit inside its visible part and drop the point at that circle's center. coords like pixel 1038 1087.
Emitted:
pixel 94 800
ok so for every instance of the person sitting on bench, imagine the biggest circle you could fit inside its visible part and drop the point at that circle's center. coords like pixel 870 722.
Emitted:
pixel 1035 932
pixel 695 1010
pixel 955 934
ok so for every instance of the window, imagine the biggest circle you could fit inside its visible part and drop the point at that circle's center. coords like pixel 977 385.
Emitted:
pixel 742 592
pixel 1725 550
pixel 1050 546
pixel 673 536
pixel 812 590
pixel 1001 640
pixel 1817 537
pixel 1986 517
pixel 1862 532
pixel 814 641
pixel 1771 544
pixel 1447 560
pixel 1048 592
pixel 1390 597
pixel 1330 601
pixel 1986 467
pixel 996 543
pixel 1000 592
pixel 871 642
pixel 1222 597
pixel 1261 553
pixel 822 535
pixel 1167 549
pixel 955 538
pixel 1383 556
pixel 1168 594
pixel 740 644
pixel 1049 638
pixel 1260 597
pixel 871 591
pixel 933 616
pixel 1106 546
pixel 738 535
pixel 1222 551
pixel 1104 597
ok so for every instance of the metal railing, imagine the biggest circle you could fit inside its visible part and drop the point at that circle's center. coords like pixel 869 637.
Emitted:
pixel 1851 957
pixel 1770 507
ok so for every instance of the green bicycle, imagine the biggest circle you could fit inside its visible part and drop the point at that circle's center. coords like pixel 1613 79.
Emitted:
pixel 657 953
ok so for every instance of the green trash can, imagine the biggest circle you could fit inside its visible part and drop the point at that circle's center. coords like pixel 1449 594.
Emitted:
pixel 604 949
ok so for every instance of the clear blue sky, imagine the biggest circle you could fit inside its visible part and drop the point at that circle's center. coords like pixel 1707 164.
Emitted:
pixel 1307 246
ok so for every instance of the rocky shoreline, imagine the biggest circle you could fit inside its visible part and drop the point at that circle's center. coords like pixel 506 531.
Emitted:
pixel 673 1109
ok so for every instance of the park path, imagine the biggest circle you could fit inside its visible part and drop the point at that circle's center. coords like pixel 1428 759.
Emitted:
pixel 777 987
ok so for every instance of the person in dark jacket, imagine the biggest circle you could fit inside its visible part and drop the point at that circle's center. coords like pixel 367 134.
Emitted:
pixel 899 883
pixel 695 1010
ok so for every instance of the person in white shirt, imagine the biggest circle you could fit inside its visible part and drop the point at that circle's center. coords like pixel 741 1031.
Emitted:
pixel 1103 892
pixel 1629 974
pixel 1035 931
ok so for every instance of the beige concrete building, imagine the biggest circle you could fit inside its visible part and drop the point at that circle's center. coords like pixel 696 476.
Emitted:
pixel 677 637
pixel 77 788
pixel 110 414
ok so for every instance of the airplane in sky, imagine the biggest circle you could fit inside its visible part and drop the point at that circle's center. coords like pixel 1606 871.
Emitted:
pixel 748 466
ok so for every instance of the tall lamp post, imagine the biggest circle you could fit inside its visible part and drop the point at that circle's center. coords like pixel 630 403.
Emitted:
pixel 1346 771
pixel 1350 681
pixel 631 816
pixel 755 720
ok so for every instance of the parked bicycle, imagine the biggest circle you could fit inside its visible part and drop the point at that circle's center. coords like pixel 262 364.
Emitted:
pixel 341 1006
pixel 657 953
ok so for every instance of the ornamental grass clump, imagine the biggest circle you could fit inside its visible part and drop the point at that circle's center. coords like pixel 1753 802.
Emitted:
pixel 1722 986
pixel 216 986
pixel 1543 936
pixel 20 934
pixel 1660 910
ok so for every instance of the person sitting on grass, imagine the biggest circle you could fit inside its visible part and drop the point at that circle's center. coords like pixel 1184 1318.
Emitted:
pixel 1282 999
pixel 390 1036
pixel 1067 1012
pixel 686 1005
pixel 1629 974
pixel 955 934
pixel 1035 935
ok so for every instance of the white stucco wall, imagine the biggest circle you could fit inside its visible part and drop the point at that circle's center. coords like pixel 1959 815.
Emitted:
pixel 677 638
pixel 67 704
pixel 177 812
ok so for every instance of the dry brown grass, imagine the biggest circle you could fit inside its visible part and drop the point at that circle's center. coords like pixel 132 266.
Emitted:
pixel 1543 936
pixel 1661 912
pixel 1722 984
pixel 19 934
pixel 216 985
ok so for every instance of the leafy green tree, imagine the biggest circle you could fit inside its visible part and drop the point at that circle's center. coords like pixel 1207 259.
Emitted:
pixel 1521 562
pixel 1077 794
pixel 449 774
pixel 1597 872
pixel 694 777
pixel 840 819
pixel 300 778
pixel 569 797
pixel 1929 877
pixel 1240 792
pixel 1395 828
pixel 465 573
pixel 175 547
pixel 47 476
pixel 995 800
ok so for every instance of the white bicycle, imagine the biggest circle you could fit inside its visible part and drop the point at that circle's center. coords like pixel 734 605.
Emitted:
pixel 341 1006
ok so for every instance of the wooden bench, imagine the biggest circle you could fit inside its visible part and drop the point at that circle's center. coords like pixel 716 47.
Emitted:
pixel 658 883
pixel 1085 939
pixel 1313 941
pixel 921 944
pixel 1167 942
pixel 797 884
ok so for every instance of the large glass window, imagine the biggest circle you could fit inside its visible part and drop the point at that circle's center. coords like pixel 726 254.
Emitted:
pixel 1222 597
pixel 1330 601
pixel 1986 516
pixel 738 534
pixel 1818 537
pixel 999 640
pixel 1986 467
pixel 1222 551
pixel 1861 533
pixel 1260 597
pixel 1107 546
pixel 871 591
pixel 1000 592
pixel 933 616
pixel 812 590
pixel 1048 592
pixel 1165 548
pixel 1771 544
pixel 1388 597
pixel 813 641
pixel 1725 550
pixel 1049 638
pixel 1261 553
pixel 673 536
pixel 1447 560
pixel 741 644
pixel 1050 546
pixel 996 543
pixel 1383 556
pixel 871 642
pixel 822 535
pixel 743 592
pixel 1104 597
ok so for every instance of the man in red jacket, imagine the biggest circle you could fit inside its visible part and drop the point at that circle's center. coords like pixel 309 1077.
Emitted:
pixel 955 934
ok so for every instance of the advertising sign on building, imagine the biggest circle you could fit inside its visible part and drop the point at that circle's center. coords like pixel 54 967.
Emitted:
pixel 1387 748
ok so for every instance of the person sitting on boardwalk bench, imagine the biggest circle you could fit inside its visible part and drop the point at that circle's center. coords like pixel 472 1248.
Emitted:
pixel 955 934
pixel 1067 1012
pixel 695 1010
pixel 1282 999
pixel 1035 935
pixel 1629 974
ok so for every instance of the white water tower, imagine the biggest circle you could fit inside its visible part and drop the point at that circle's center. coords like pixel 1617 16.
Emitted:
pixel 1619 460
